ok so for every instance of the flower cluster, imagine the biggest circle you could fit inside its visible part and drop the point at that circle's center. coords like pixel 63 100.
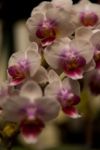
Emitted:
pixel 44 78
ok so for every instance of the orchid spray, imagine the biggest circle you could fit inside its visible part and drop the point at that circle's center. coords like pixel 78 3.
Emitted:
pixel 44 79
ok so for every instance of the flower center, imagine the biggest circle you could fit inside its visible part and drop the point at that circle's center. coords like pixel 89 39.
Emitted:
pixel 88 18
pixel 71 64
pixel 16 72
pixel 67 98
pixel 46 32
pixel 31 127
pixel 20 71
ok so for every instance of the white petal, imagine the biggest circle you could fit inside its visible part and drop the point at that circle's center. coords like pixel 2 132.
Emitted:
pixel 34 21
pixel 42 7
pixel 33 46
pixel 31 90
pixel 53 76
pixel 95 39
pixel 48 108
pixel 41 75
pixel 72 85
pixel 84 49
pixel 91 66
pixel 65 4
pixel 34 61
pixel 83 33
pixel 28 139
pixel 61 17
pixel 53 88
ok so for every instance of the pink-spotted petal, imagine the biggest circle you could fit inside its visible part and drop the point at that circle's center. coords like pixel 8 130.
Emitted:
pixel 33 46
pixel 71 112
pixel 52 59
pixel 48 108
pixel 34 21
pixel 31 90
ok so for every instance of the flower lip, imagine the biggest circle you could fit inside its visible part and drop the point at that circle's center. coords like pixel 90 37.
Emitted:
pixel 16 73
pixel 31 127
pixel 67 98
pixel 19 72
pixel 72 63
pixel 71 112
pixel 88 18
pixel 46 32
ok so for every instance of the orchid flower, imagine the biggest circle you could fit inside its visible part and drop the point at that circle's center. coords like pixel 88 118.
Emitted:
pixel 30 110
pixel 46 26
pixel 66 92
pixel 86 13
pixel 23 65
pixel 73 57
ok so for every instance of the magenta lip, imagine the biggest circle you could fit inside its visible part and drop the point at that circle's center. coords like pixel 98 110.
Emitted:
pixel 31 127
pixel 72 65
pixel 67 98
pixel 88 18
pixel 46 32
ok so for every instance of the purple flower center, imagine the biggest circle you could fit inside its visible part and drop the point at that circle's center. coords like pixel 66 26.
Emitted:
pixel 20 71
pixel 67 98
pixel 88 18
pixel 72 62
pixel 46 32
